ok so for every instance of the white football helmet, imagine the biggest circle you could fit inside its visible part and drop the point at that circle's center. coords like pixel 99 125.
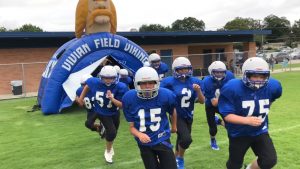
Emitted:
pixel 146 74
pixel 117 68
pixel 108 72
pixel 255 65
pixel 217 70
pixel 154 60
pixel 146 64
pixel 123 72
pixel 180 63
pixel 84 78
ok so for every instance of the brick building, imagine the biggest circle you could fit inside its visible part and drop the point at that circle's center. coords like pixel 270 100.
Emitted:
pixel 23 55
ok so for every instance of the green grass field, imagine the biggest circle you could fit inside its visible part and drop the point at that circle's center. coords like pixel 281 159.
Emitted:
pixel 30 140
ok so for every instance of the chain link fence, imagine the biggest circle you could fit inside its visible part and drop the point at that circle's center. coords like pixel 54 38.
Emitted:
pixel 20 79
pixel 23 79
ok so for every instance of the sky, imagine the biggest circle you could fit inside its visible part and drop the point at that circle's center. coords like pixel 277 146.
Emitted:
pixel 59 15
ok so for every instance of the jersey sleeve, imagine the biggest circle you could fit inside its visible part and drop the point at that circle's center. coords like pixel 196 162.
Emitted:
pixel 208 91
pixel 165 83
pixel 91 83
pixel 79 91
pixel 122 89
pixel 229 75
pixel 226 101
pixel 276 89
pixel 165 68
pixel 126 103
pixel 172 102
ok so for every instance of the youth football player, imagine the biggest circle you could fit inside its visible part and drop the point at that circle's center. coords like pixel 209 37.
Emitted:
pixel 187 89
pixel 146 108
pixel 158 65
pixel 213 83
pixel 245 105
pixel 89 106
pixel 108 93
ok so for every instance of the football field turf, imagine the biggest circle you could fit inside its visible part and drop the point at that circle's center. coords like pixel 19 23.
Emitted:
pixel 30 140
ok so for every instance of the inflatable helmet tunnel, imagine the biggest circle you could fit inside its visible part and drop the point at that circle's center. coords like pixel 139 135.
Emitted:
pixel 77 57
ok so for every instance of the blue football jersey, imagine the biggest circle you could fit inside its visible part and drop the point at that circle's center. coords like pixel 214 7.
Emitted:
pixel 126 80
pixel 238 99
pixel 150 115
pixel 162 70
pixel 88 99
pixel 103 105
pixel 211 85
pixel 185 94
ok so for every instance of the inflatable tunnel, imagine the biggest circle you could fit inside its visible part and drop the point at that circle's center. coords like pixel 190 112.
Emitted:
pixel 77 57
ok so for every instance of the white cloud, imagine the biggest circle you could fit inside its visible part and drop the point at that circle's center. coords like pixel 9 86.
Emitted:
pixel 59 15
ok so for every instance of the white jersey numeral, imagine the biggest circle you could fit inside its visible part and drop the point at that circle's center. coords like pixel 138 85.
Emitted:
pixel 185 99
pixel 87 103
pixel 153 118
pixel 263 111
pixel 100 100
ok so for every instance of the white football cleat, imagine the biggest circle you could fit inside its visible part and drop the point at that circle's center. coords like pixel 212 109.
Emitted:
pixel 109 155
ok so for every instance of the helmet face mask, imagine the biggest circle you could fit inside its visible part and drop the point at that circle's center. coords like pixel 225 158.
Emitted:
pixel 256 84
pixel 155 64
pixel 154 60
pixel 179 65
pixel 146 83
pixel 108 75
pixel 256 73
pixel 218 74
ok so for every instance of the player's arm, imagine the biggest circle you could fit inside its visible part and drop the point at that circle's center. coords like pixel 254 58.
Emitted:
pixel 144 138
pixel 111 97
pixel 200 95
pixel 82 95
pixel 174 121
pixel 248 120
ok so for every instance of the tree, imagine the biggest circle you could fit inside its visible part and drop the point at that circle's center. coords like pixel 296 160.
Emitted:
pixel 239 23
pixel 188 24
pixel 296 31
pixel 28 28
pixel 3 29
pixel 280 28
pixel 152 28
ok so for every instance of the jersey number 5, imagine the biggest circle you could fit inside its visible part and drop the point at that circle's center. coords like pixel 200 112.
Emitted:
pixel 100 100
pixel 263 111
pixel 153 118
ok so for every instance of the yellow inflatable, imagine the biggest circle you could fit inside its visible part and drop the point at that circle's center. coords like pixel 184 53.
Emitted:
pixel 95 16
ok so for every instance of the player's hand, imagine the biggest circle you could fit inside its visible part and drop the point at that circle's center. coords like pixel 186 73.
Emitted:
pixel 109 95
pixel 254 121
pixel 144 138
pixel 196 87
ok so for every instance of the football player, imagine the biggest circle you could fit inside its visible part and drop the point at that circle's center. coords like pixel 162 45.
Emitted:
pixel 158 65
pixel 89 106
pixel 219 75
pixel 245 104
pixel 124 78
pixel 108 93
pixel 187 89
pixel 146 108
